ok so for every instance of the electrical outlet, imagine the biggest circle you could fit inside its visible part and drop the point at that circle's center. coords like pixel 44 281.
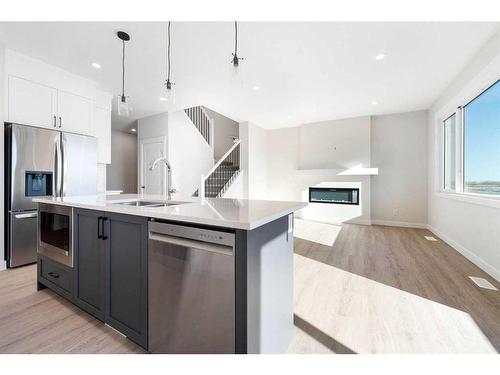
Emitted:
pixel 395 211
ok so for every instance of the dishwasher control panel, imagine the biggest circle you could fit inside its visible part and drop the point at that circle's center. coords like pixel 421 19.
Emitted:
pixel 193 233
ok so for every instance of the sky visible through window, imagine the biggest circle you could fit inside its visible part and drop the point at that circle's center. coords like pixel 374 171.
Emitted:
pixel 482 143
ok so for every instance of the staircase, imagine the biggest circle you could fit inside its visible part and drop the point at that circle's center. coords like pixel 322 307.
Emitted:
pixel 216 182
pixel 222 175
pixel 202 122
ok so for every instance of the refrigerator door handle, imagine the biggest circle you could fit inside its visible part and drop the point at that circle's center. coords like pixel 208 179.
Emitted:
pixel 59 167
pixel 63 165
pixel 55 187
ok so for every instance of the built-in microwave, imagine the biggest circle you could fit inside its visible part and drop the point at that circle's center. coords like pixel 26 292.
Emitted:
pixel 55 233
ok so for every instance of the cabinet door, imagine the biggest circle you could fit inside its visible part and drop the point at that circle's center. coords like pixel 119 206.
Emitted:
pixel 102 129
pixel 30 103
pixel 90 258
pixel 74 113
pixel 126 268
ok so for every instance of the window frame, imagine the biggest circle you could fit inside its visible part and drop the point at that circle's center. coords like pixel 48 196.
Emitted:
pixel 459 193
pixel 443 153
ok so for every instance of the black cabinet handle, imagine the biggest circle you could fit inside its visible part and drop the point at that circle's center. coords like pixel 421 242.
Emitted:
pixel 99 233
pixel 60 121
pixel 104 219
pixel 54 275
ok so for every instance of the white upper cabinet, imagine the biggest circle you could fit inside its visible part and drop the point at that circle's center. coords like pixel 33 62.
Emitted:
pixel 43 95
pixel 31 103
pixel 74 113
pixel 102 127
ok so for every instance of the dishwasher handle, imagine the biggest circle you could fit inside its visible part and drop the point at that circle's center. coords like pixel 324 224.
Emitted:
pixel 201 245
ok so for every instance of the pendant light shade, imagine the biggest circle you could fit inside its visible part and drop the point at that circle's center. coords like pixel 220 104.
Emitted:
pixel 122 105
pixel 170 92
pixel 122 100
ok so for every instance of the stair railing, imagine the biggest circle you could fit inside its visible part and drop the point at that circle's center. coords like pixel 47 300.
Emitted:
pixel 202 122
pixel 231 157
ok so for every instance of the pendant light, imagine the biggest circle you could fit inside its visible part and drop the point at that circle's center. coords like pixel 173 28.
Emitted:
pixel 170 95
pixel 122 101
pixel 236 60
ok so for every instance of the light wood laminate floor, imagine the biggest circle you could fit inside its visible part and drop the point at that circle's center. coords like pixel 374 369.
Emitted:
pixel 43 322
pixel 358 289
pixel 377 289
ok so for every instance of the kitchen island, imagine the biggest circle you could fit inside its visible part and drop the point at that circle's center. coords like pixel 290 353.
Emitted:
pixel 205 276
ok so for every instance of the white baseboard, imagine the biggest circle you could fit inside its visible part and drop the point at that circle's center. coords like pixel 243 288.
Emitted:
pixel 359 221
pixel 486 267
pixel 403 224
pixel 3 265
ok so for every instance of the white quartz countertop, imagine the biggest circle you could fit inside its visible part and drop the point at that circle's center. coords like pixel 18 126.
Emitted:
pixel 229 213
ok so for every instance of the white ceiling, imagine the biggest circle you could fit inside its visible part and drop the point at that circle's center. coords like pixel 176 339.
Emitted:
pixel 306 71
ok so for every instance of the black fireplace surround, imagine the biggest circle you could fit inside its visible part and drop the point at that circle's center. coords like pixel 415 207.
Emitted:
pixel 334 195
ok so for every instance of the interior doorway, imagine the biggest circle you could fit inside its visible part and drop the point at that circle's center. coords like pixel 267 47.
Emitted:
pixel 152 182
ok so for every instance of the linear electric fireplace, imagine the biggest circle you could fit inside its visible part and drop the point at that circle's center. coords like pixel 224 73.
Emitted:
pixel 334 195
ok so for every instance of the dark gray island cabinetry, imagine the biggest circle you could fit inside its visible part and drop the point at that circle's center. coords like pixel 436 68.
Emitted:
pixel 111 270
pixel 209 276
pixel 109 274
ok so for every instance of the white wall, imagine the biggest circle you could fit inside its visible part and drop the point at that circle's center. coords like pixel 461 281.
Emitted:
pixel 254 161
pixel 224 131
pixel 399 150
pixel 283 162
pixel 395 143
pixel 327 145
pixel 471 226
pixel 332 144
pixel 189 154
pixel 152 126
pixel 122 172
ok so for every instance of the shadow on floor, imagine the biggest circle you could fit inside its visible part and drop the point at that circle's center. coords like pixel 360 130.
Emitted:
pixel 321 337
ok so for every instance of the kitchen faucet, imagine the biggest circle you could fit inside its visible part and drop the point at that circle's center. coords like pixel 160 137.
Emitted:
pixel 170 191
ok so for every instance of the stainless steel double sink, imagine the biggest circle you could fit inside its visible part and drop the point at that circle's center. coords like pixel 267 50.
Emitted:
pixel 143 203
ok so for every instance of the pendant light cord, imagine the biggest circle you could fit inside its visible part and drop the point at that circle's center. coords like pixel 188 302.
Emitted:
pixel 235 60
pixel 123 68
pixel 235 38
pixel 168 52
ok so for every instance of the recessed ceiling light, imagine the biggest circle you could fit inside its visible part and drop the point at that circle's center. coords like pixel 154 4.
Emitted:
pixel 96 65
pixel 163 99
pixel 133 130
pixel 256 88
pixel 374 102
pixel 380 56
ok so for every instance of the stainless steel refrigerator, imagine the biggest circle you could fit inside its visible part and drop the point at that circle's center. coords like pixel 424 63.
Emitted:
pixel 41 162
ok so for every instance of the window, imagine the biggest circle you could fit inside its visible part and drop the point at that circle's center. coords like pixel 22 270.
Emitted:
pixel 481 143
pixel 450 149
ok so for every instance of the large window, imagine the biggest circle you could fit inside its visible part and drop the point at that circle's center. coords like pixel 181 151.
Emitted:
pixel 481 148
pixel 473 134
pixel 450 151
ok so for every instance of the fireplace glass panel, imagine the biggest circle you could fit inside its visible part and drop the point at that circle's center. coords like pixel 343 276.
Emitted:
pixel 334 195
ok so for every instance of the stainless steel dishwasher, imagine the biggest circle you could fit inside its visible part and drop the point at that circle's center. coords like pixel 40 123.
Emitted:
pixel 191 290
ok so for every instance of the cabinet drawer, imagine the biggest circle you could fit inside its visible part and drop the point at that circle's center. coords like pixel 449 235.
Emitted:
pixel 56 274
